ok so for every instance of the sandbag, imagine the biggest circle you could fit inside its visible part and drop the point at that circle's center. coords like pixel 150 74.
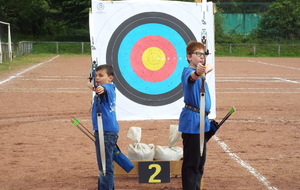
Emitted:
pixel 170 152
pixel 167 153
pixel 138 150
pixel 175 135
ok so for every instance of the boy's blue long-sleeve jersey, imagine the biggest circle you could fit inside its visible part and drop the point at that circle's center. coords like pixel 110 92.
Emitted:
pixel 108 109
pixel 189 121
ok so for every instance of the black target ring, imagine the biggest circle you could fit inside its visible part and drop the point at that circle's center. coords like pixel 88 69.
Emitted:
pixel 113 51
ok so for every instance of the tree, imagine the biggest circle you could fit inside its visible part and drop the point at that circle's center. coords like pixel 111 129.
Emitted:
pixel 219 30
pixel 73 15
pixel 34 19
pixel 25 16
pixel 281 21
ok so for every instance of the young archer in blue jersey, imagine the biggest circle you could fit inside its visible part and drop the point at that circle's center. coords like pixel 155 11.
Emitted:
pixel 105 98
pixel 189 121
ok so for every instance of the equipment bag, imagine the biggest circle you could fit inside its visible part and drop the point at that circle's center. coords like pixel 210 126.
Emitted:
pixel 122 160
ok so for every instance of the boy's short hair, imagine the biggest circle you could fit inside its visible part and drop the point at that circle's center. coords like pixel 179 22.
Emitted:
pixel 109 69
pixel 193 45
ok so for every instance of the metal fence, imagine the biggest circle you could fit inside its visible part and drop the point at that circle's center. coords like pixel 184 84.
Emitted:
pixel 30 47
pixel 26 47
pixel 272 50
pixel 4 52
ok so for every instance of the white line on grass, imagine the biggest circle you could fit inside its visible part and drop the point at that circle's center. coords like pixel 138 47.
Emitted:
pixel 14 76
pixel 250 169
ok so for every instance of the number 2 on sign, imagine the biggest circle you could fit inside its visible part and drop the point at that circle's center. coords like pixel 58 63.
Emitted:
pixel 157 171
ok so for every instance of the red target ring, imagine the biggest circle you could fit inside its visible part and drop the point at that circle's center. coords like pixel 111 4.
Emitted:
pixel 162 62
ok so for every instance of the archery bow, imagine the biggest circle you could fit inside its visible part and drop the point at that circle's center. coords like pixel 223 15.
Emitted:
pixel 118 157
pixel 97 101
pixel 202 92
pixel 96 98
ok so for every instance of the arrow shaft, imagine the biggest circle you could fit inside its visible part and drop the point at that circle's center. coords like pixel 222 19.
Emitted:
pixel 82 126
pixel 231 111
pixel 84 130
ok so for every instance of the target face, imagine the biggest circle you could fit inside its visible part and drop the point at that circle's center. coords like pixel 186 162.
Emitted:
pixel 144 52
pixel 145 43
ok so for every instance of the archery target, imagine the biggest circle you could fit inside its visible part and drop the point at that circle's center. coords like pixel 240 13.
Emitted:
pixel 145 43
pixel 144 51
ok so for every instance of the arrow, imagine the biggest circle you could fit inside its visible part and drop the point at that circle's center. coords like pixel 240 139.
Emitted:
pixel 231 111
pixel 216 126
pixel 75 122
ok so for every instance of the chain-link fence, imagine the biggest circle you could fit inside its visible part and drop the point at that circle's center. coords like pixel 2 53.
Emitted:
pixel 30 47
pixel 25 47
pixel 258 50
pixel 267 50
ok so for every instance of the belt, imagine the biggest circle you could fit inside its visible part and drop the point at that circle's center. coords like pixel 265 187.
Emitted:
pixel 194 109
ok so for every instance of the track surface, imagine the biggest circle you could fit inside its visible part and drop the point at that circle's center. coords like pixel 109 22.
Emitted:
pixel 257 148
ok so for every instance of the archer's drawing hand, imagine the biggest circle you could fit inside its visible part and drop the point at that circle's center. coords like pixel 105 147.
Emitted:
pixel 200 69
pixel 100 90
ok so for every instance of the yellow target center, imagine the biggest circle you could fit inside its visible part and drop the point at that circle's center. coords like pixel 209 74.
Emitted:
pixel 153 58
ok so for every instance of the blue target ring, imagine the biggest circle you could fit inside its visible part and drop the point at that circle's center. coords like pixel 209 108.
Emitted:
pixel 129 74
pixel 119 51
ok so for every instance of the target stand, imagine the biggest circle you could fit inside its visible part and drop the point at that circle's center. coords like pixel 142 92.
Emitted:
pixel 145 43
pixel 153 171
pixel 175 167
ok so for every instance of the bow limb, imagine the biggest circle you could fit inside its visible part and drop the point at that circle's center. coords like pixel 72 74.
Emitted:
pixel 202 116
pixel 93 80
pixel 101 142
pixel 202 92
pixel 99 117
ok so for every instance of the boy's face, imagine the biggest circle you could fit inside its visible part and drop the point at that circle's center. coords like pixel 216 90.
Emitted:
pixel 102 77
pixel 198 56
